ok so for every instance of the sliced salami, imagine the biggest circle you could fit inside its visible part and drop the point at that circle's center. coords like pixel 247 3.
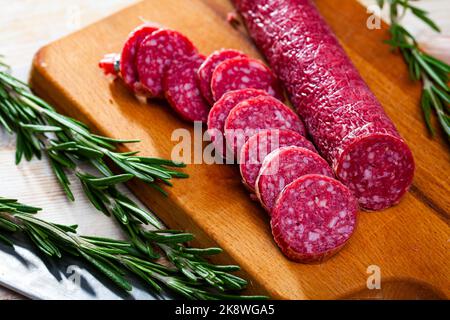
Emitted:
pixel 260 145
pixel 219 113
pixel 181 89
pixel 156 53
pixel 344 118
pixel 256 114
pixel 283 166
pixel 128 66
pixel 242 73
pixel 313 218
pixel 206 70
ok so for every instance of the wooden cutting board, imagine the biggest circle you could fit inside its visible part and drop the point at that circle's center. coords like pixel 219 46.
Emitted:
pixel 409 243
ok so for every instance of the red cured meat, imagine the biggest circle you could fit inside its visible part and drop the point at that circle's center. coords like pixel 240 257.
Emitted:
pixel 283 166
pixel 110 64
pixel 343 117
pixel 156 53
pixel 182 92
pixel 256 114
pixel 313 218
pixel 260 145
pixel 128 66
pixel 206 70
pixel 219 113
pixel 242 73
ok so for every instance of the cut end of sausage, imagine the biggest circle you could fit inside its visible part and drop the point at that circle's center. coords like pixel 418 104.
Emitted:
pixel 313 218
pixel 378 169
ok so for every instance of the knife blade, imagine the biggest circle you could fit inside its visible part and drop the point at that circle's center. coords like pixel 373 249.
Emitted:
pixel 24 270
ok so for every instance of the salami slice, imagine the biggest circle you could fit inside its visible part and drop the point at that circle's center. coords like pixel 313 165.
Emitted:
pixel 283 166
pixel 128 66
pixel 242 73
pixel 344 118
pixel 313 218
pixel 206 70
pixel 256 114
pixel 260 145
pixel 219 113
pixel 158 51
pixel 181 90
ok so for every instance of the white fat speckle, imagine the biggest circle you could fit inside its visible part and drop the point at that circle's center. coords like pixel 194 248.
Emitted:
pixel 308 183
pixel 342 213
pixel 332 222
pixel 367 174
pixel 344 229
pixel 313 236
pixel 371 155
pixel 245 79
pixel 322 204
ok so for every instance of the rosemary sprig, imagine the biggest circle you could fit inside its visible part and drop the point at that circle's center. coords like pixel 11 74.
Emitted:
pixel 68 142
pixel 432 72
pixel 109 256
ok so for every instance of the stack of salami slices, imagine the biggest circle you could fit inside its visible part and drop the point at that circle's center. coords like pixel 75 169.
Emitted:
pixel 312 214
pixel 156 62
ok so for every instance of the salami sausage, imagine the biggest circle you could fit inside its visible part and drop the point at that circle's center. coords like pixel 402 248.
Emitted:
pixel 345 120
pixel 313 218
pixel 242 73
pixel 206 70
pixel 256 114
pixel 181 90
pixel 260 145
pixel 128 66
pixel 219 113
pixel 158 51
pixel 283 166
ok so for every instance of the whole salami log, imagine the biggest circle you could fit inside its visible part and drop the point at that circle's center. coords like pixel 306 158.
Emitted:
pixel 260 145
pixel 283 166
pixel 181 89
pixel 345 120
pixel 243 73
pixel 220 111
pixel 313 218
pixel 207 68
pixel 256 114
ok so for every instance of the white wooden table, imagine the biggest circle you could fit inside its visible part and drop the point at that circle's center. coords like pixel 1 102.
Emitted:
pixel 26 25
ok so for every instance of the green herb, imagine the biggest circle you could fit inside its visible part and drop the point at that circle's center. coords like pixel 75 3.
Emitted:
pixel 110 257
pixel 69 143
pixel 432 72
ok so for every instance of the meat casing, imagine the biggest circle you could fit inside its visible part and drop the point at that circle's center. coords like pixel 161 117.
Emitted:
pixel 344 118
